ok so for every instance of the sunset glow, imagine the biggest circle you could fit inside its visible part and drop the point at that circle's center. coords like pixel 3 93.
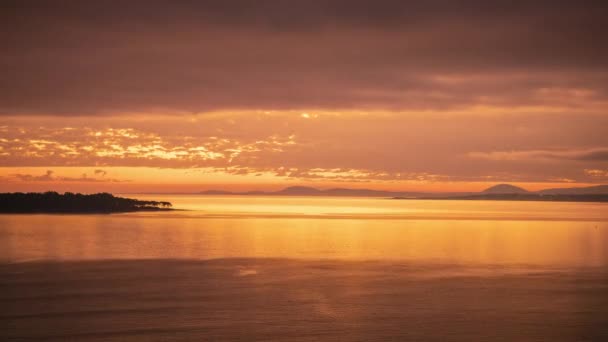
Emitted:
pixel 418 151
pixel 403 98
pixel 303 170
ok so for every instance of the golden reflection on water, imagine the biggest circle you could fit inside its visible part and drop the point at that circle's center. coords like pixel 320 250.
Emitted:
pixel 310 269
pixel 471 239
pixel 380 208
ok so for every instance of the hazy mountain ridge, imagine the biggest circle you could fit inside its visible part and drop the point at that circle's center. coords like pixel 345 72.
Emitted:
pixel 507 192
pixel 499 189
pixel 589 190
pixel 505 189
pixel 310 191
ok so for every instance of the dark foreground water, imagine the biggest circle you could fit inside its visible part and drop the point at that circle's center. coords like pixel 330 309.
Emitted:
pixel 289 300
pixel 309 270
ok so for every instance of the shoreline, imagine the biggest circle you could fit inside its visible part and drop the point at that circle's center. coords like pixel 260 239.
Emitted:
pixel 517 198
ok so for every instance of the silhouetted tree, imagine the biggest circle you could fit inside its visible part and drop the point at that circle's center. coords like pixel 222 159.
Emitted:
pixel 53 202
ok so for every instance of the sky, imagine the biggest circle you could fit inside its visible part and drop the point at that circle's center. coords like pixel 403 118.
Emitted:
pixel 186 96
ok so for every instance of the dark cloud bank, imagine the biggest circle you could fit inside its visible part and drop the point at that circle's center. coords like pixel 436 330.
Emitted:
pixel 84 57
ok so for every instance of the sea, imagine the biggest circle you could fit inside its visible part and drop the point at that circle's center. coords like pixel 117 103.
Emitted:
pixel 276 268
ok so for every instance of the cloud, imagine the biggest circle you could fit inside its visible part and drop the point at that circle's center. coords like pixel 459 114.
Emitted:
pixel 502 146
pixel 131 147
pixel 346 175
pixel 100 172
pixel 595 173
pixel 594 154
pixel 49 177
pixel 76 58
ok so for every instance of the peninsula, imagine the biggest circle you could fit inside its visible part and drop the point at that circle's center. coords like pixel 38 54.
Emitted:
pixel 53 202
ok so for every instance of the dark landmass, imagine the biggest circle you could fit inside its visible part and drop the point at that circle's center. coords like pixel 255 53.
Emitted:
pixel 590 190
pixel 524 197
pixel 309 191
pixel 505 189
pixel 53 202
pixel 499 192
pixel 507 192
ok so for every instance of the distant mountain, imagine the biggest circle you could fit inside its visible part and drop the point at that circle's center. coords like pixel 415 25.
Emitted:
pixel 366 192
pixel 309 191
pixel 299 191
pixel 505 189
pixel 495 191
pixel 507 192
pixel 590 190
pixel 216 192
pixel 530 196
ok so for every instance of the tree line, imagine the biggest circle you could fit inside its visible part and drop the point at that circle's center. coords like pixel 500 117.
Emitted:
pixel 53 202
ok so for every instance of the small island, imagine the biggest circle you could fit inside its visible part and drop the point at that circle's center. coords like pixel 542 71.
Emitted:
pixel 53 202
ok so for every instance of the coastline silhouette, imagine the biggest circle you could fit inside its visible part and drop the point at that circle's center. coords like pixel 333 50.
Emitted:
pixel 53 202
pixel 504 192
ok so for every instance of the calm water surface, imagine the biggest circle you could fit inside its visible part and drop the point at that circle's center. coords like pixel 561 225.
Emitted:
pixel 297 268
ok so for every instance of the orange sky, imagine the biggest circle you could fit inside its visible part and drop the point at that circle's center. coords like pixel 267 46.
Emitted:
pixel 196 96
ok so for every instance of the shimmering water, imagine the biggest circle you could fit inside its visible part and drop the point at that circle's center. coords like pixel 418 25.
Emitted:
pixel 334 269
